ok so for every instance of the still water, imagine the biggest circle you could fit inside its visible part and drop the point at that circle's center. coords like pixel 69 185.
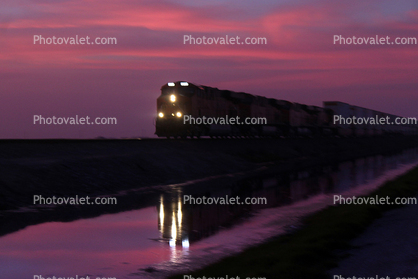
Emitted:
pixel 170 236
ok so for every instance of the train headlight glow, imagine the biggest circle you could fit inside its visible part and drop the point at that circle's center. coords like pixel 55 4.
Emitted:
pixel 171 84
pixel 178 114
pixel 184 83
pixel 173 98
pixel 161 114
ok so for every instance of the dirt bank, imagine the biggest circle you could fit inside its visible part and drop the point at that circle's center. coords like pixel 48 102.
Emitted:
pixel 98 167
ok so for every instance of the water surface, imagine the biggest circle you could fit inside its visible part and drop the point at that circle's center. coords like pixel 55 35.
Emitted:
pixel 170 236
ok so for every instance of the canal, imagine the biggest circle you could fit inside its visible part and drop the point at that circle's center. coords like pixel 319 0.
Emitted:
pixel 166 236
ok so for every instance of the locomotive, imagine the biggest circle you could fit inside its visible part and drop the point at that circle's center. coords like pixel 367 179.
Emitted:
pixel 190 110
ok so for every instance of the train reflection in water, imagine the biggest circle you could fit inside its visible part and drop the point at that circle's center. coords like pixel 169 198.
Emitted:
pixel 182 224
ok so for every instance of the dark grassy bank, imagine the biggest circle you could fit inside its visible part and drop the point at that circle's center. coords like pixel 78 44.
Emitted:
pixel 316 247
pixel 99 167
pixel 66 168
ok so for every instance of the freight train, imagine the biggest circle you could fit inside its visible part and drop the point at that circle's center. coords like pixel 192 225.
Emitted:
pixel 190 110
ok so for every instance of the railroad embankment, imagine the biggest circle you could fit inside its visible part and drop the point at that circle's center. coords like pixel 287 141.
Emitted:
pixel 100 167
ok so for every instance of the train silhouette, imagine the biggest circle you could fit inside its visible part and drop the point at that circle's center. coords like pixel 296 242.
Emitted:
pixel 185 110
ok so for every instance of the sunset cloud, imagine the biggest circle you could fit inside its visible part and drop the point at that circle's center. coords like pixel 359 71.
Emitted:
pixel 299 55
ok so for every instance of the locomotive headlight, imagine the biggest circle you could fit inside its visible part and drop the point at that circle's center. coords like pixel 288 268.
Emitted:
pixel 161 115
pixel 173 98
pixel 178 114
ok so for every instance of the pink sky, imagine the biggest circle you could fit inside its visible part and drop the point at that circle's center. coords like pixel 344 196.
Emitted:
pixel 299 63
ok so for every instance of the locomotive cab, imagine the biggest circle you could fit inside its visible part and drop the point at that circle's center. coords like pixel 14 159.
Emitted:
pixel 173 103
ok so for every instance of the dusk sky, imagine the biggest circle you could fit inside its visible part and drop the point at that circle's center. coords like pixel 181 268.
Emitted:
pixel 299 63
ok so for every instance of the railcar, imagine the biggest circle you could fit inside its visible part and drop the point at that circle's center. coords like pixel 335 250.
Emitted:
pixel 189 110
